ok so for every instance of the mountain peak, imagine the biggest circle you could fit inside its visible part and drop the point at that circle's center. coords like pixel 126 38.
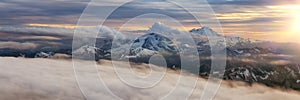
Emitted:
pixel 205 31
pixel 206 28
pixel 161 28
pixel 158 24
pixel 153 42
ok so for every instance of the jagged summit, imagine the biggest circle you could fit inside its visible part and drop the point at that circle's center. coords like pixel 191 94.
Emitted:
pixel 152 43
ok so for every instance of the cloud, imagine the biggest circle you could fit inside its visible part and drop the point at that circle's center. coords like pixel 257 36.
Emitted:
pixel 133 10
pixel 16 12
pixel 60 32
pixel 18 45
pixel 56 37
pixel 39 38
pixel 163 29
pixel 253 2
pixel 46 79
pixel 48 31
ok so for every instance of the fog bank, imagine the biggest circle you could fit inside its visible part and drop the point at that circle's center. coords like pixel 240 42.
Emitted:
pixel 50 79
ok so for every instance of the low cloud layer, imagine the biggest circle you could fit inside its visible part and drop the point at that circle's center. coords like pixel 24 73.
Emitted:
pixel 45 35
pixel 18 45
pixel 37 30
pixel 44 79
pixel 58 31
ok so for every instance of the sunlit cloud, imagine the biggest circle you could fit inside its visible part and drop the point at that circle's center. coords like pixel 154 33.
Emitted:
pixel 275 19
pixel 70 26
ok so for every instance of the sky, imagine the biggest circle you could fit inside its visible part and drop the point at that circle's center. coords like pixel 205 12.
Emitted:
pixel 272 20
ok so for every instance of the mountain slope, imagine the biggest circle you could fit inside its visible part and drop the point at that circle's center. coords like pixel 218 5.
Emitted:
pixel 206 31
pixel 154 43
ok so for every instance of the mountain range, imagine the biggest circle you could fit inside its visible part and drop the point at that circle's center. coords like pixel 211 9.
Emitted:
pixel 247 60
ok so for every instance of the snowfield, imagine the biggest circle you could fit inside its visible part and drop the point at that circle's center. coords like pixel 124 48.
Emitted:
pixel 53 79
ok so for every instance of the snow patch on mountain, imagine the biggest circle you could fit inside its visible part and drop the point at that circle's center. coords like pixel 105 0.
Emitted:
pixel 44 55
pixel 152 43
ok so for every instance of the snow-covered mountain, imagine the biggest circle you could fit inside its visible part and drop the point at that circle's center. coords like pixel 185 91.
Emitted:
pixel 155 41
pixel 159 39
pixel 235 46
pixel 87 51
pixel 206 31
pixel 230 40
pixel 152 43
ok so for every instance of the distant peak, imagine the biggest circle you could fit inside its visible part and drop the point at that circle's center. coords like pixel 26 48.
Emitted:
pixel 157 23
pixel 202 28
pixel 206 28
pixel 204 31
